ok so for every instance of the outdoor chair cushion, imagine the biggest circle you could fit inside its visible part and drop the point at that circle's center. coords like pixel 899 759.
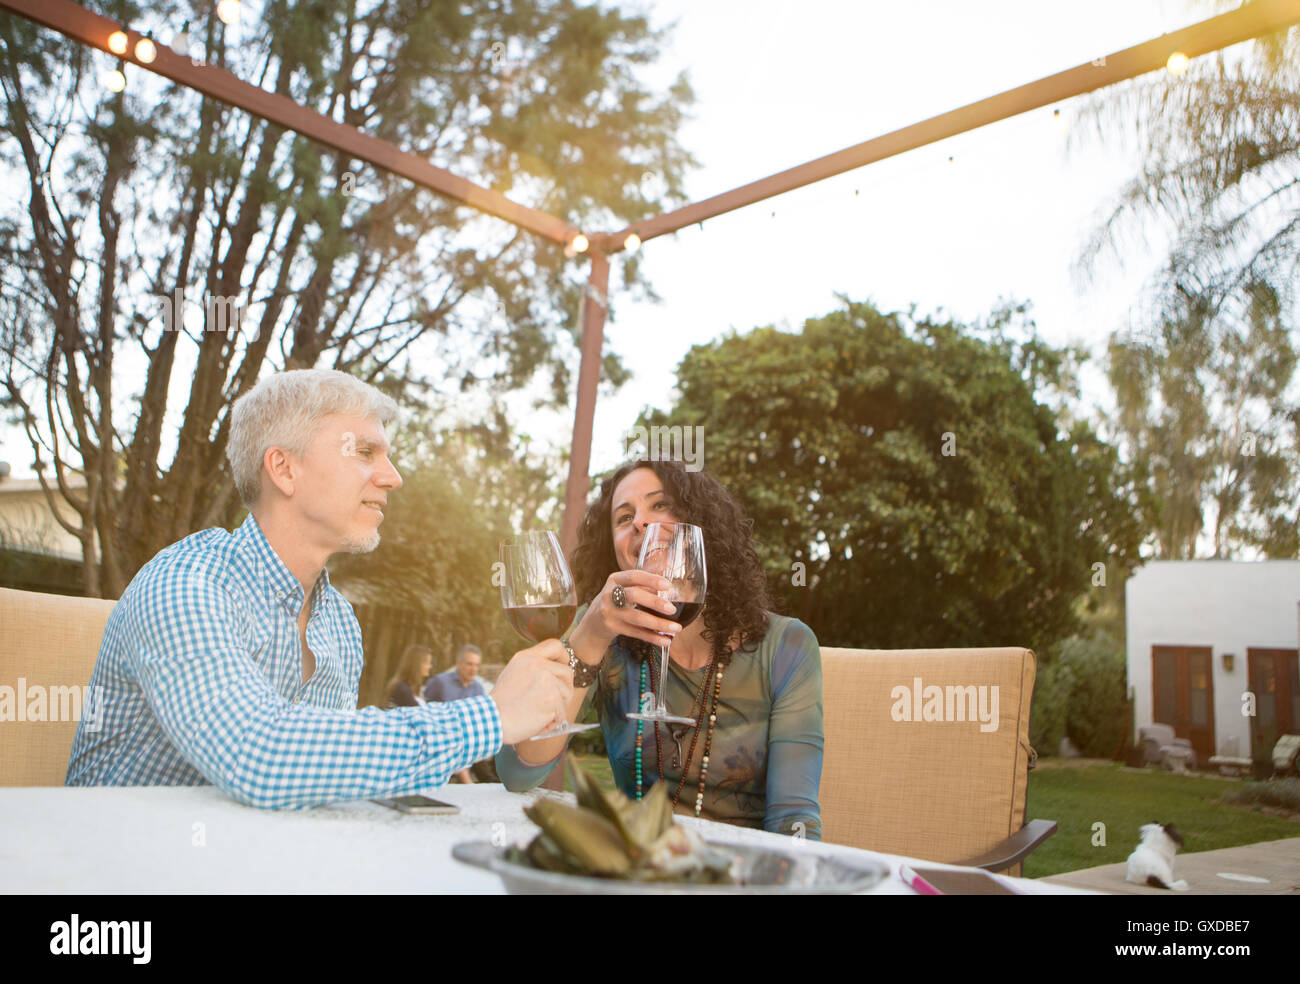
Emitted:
pixel 46 641
pixel 939 790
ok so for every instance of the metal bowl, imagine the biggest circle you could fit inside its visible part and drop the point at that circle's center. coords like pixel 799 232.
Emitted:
pixel 762 871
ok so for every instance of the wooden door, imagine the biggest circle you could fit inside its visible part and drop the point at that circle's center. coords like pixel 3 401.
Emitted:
pixel 1274 681
pixel 1183 686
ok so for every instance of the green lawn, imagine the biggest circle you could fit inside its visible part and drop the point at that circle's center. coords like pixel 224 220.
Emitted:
pixel 598 768
pixel 1122 799
pixel 1077 797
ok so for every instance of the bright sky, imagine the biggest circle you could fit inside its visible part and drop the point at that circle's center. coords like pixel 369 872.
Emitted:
pixel 778 83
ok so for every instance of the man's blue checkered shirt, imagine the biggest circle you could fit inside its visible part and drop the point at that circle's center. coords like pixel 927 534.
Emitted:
pixel 200 680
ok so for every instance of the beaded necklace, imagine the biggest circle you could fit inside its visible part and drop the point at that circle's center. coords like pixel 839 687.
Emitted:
pixel 714 672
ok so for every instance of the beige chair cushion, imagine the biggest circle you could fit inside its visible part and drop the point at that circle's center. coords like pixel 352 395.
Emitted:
pixel 942 790
pixel 46 641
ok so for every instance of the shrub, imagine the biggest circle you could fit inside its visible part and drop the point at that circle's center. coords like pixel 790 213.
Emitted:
pixel 1082 692
pixel 1100 715
pixel 1284 793
pixel 1047 714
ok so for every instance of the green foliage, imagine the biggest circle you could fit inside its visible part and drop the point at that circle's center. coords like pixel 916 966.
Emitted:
pixel 1094 672
pixel 1281 793
pixel 834 439
pixel 1050 710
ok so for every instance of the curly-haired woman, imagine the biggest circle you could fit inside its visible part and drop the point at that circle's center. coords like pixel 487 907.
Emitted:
pixel 750 678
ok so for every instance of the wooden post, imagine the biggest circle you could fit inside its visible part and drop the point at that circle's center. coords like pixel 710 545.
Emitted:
pixel 594 306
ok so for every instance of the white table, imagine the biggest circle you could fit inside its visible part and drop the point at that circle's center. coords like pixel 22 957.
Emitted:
pixel 195 839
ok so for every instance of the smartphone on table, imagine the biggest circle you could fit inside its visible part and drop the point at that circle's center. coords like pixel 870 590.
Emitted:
pixel 418 804
pixel 952 881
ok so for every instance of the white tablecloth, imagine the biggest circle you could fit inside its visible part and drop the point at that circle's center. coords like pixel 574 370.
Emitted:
pixel 195 839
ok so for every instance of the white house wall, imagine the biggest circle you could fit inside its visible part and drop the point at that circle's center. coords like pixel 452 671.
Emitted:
pixel 1230 606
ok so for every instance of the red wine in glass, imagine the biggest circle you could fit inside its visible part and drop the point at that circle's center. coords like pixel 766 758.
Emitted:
pixel 674 551
pixel 538 596
pixel 684 612
pixel 538 622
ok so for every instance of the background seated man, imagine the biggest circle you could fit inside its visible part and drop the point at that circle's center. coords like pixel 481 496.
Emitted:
pixel 230 659
pixel 458 683
pixel 461 680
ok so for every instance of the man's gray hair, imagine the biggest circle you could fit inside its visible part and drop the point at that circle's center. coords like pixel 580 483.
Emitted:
pixel 285 410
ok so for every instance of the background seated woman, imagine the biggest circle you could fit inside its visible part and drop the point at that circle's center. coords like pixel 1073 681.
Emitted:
pixel 404 687
pixel 750 678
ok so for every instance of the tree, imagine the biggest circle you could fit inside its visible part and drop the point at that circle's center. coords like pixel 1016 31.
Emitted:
pixel 293 256
pixel 1207 419
pixel 1203 385
pixel 907 487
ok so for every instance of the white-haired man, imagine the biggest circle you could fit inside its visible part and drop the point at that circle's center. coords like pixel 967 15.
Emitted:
pixel 231 660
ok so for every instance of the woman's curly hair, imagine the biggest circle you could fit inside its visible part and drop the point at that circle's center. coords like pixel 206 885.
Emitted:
pixel 737 595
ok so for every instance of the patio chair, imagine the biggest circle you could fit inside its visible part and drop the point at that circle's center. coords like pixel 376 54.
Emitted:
pixel 941 790
pixel 1160 747
pixel 51 642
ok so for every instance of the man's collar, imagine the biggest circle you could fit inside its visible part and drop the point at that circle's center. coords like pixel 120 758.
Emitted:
pixel 281 583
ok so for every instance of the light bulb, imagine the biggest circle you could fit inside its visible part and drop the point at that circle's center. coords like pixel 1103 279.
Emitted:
pixel 180 43
pixel 1059 119
pixel 632 243
pixel 580 243
pixel 114 81
pixel 1177 63
pixel 228 11
pixel 145 52
pixel 117 42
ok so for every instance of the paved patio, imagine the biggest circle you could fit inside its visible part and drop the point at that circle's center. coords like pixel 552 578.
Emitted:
pixel 1266 868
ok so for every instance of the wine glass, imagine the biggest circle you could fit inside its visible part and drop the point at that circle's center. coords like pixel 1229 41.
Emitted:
pixel 538 596
pixel 674 551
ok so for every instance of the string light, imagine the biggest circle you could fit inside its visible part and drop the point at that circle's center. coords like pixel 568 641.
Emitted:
pixel 1059 119
pixel 117 43
pixel 632 243
pixel 1177 63
pixel 145 51
pixel 180 42
pixel 580 243
pixel 114 81
pixel 228 11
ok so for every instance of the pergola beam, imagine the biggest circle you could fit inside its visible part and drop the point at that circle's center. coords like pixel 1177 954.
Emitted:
pixel 80 24
pixel 1242 24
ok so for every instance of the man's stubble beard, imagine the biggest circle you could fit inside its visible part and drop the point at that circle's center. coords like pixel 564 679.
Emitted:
pixel 362 543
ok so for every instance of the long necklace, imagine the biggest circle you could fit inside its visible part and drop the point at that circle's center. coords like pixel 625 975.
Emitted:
pixel 640 726
pixel 715 673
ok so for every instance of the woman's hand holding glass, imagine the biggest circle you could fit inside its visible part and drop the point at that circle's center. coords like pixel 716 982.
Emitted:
pixel 603 621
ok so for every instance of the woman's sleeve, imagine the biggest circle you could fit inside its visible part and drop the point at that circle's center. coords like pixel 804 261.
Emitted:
pixel 518 776
pixel 796 739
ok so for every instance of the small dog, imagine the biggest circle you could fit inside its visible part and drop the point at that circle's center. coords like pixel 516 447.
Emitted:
pixel 1152 861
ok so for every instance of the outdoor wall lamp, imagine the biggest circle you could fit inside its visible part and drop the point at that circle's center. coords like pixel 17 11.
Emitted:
pixel 1228 659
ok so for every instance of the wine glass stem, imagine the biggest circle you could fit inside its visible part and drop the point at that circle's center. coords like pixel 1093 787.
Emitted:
pixel 663 681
